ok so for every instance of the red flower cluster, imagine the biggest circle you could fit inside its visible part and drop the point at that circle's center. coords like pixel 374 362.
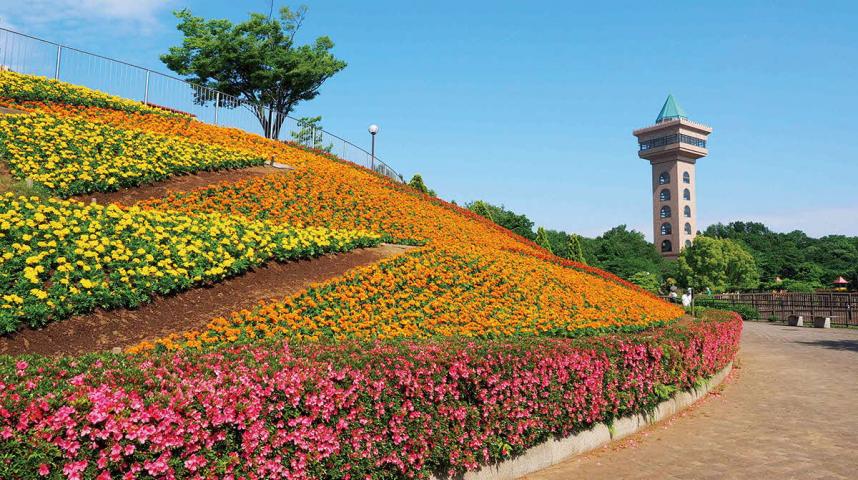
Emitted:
pixel 350 410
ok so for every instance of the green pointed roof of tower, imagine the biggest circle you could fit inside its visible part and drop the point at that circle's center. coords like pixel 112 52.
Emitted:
pixel 670 111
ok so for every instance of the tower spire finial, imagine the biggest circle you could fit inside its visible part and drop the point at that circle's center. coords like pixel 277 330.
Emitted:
pixel 670 110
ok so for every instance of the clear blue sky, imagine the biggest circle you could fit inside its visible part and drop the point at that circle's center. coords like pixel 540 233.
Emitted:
pixel 532 104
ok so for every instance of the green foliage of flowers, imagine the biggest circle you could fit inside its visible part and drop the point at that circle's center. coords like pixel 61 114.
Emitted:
pixel 61 258
pixel 72 156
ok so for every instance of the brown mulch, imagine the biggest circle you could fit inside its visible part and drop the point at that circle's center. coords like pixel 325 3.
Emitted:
pixel 10 111
pixel 180 183
pixel 193 309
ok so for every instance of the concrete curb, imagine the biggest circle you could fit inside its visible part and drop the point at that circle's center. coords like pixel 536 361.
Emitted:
pixel 554 451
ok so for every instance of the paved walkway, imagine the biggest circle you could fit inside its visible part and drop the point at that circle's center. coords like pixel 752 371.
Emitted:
pixel 790 411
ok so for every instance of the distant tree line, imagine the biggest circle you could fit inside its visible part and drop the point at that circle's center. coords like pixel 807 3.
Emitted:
pixel 739 256
pixel 802 263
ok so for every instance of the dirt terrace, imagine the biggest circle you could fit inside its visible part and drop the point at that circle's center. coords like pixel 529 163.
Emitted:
pixel 193 309
pixel 179 183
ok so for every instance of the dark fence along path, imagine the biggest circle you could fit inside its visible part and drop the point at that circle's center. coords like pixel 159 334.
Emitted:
pixel 839 306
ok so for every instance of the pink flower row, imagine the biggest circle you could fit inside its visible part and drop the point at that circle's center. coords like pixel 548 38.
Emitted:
pixel 350 411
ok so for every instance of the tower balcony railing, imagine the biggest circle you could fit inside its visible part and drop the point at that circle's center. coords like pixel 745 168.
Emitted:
pixel 672 139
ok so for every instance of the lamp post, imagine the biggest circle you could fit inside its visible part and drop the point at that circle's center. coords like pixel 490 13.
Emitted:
pixel 373 129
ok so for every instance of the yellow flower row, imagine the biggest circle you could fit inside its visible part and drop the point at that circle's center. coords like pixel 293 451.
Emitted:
pixel 19 87
pixel 61 258
pixel 73 156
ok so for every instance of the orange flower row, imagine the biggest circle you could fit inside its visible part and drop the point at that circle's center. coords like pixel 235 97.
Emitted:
pixel 479 293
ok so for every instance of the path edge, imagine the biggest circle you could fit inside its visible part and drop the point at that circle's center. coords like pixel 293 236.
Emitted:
pixel 554 451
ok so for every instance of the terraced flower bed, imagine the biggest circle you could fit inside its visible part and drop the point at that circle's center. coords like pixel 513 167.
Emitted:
pixel 347 410
pixel 71 156
pixel 61 258
pixel 437 293
pixel 467 350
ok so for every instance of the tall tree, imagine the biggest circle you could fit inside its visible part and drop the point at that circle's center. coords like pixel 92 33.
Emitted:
pixel 257 61
pixel 717 264
pixel 557 241
pixel 310 134
pixel 575 251
pixel 542 239
pixel 417 183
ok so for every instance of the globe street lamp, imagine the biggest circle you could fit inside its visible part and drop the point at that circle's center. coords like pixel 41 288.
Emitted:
pixel 373 129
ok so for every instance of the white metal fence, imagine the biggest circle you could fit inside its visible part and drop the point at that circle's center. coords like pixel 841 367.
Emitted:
pixel 34 56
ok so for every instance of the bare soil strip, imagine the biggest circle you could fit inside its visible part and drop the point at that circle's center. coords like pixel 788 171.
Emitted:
pixel 179 183
pixel 10 111
pixel 193 309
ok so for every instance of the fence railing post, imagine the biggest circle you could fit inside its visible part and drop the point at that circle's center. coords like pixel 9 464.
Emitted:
pixel 217 105
pixel 146 90
pixel 59 58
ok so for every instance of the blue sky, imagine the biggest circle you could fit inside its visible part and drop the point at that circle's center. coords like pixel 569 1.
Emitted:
pixel 532 104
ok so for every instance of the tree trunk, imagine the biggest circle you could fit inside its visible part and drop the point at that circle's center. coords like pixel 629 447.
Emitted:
pixel 270 119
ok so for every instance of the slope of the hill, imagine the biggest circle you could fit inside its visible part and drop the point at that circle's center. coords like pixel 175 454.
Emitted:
pixel 454 355
pixel 503 285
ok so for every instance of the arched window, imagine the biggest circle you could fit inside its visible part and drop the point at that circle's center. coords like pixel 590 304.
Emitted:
pixel 686 194
pixel 666 246
pixel 665 212
pixel 687 211
pixel 664 178
pixel 664 195
pixel 666 229
pixel 688 228
pixel 686 177
pixel 687 243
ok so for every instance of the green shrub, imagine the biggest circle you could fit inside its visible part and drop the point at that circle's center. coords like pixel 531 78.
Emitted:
pixel 746 311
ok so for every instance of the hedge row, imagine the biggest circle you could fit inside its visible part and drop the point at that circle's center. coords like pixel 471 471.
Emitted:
pixel 351 410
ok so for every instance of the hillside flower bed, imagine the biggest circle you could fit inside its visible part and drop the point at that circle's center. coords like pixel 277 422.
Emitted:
pixel 19 87
pixel 350 410
pixel 517 288
pixel 321 192
pixel 457 354
pixel 431 292
pixel 73 156
pixel 59 258
pixel 324 193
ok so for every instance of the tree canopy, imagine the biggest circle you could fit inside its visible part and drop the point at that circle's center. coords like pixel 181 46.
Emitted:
pixel 717 264
pixel 623 252
pixel 736 256
pixel 257 61
pixel 542 239
pixel 646 280
pixel 417 183
pixel 309 133
pixel 802 262
pixel 519 224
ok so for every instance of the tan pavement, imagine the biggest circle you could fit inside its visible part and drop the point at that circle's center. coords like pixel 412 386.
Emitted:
pixel 790 411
